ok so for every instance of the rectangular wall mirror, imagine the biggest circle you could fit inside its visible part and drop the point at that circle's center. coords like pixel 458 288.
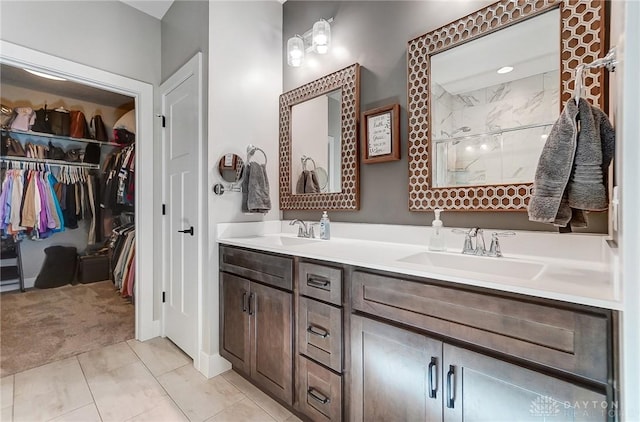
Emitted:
pixel 475 134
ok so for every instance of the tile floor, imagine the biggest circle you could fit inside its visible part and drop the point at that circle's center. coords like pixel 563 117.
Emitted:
pixel 133 381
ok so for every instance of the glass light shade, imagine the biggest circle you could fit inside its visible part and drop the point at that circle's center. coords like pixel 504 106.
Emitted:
pixel 295 51
pixel 321 36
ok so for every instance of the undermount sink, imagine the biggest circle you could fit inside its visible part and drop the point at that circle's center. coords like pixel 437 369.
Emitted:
pixel 504 267
pixel 282 240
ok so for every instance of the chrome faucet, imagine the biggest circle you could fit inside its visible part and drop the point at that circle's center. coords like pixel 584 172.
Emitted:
pixel 303 230
pixel 480 247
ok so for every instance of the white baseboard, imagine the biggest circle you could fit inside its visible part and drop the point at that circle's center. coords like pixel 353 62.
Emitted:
pixel 212 365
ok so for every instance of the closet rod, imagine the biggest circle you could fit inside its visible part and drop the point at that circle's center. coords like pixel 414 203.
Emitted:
pixel 12 159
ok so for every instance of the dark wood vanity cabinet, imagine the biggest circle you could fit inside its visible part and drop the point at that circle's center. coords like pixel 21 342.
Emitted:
pixel 256 322
pixel 319 338
pixel 469 355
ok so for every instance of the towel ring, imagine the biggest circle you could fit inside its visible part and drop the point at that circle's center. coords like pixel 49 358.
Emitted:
pixel 251 150
pixel 304 160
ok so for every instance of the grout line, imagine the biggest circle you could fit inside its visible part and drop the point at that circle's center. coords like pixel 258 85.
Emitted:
pixel 89 387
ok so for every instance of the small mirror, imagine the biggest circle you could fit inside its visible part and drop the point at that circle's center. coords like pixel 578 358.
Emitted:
pixel 230 168
pixel 316 144
pixel 494 101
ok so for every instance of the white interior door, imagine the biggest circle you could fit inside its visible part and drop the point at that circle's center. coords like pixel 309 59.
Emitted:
pixel 182 136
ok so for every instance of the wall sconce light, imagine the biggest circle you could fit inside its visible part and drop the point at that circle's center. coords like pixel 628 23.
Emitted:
pixel 317 39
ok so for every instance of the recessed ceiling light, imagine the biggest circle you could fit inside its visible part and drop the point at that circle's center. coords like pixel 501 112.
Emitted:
pixel 44 75
pixel 505 69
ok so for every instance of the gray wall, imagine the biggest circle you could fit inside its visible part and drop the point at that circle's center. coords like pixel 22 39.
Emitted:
pixel 375 34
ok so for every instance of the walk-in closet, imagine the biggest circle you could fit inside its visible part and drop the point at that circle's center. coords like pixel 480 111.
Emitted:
pixel 66 218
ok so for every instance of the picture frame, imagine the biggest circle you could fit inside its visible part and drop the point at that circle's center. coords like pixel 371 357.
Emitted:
pixel 381 134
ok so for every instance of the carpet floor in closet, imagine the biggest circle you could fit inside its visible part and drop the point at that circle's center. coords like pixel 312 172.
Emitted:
pixel 42 326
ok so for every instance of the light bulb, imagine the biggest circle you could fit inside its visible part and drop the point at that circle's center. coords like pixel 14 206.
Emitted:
pixel 295 51
pixel 505 69
pixel 484 147
pixel 321 36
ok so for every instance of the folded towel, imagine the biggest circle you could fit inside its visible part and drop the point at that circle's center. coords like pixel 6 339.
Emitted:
pixel 307 182
pixel 571 176
pixel 258 189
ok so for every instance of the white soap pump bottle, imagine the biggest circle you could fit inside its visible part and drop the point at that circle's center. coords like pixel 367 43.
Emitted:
pixel 325 227
pixel 436 243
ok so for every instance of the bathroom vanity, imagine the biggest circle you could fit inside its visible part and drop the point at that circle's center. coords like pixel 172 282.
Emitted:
pixel 360 329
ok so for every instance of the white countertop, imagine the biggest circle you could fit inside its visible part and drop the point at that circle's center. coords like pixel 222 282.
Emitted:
pixel 571 268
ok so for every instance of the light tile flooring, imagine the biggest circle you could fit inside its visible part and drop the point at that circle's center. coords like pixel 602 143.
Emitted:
pixel 133 381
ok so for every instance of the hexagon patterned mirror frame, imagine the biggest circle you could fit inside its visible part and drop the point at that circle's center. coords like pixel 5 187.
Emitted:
pixel 582 41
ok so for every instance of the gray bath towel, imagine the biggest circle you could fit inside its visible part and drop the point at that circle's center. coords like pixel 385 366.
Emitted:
pixel 245 187
pixel 308 182
pixel 572 169
pixel 258 189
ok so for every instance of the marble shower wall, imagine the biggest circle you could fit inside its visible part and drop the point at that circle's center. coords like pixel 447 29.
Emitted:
pixel 507 158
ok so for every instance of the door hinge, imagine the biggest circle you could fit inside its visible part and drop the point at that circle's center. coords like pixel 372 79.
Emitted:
pixel 164 209
pixel 164 297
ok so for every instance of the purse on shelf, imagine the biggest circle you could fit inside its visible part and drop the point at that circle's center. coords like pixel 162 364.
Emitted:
pixel 12 147
pixel 60 121
pixel 54 152
pixel 123 136
pixel 92 154
pixel 73 155
pixel 78 126
pixel 42 123
pixel 98 129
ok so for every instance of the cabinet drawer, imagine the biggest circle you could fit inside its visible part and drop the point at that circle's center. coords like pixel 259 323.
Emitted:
pixel 319 391
pixel 321 282
pixel 571 340
pixel 320 332
pixel 270 269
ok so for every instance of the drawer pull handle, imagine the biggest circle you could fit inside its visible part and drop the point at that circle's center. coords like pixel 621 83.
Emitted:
pixel 251 296
pixel 315 281
pixel 317 331
pixel 433 377
pixel 450 386
pixel 244 302
pixel 315 394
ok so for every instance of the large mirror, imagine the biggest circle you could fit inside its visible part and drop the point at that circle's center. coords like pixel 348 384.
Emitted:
pixel 484 92
pixel 319 166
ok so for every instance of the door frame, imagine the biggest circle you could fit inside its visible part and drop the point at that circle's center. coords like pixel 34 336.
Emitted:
pixel 12 54
pixel 192 67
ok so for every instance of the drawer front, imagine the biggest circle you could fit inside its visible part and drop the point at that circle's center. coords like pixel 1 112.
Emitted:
pixel 269 269
pixel 321 282
pixel 565 339
pixel 320 332
pixel 319 391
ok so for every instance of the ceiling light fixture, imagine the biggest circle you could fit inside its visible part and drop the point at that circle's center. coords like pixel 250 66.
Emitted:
pixel 505 69
pixel 317 39
pixel 44 75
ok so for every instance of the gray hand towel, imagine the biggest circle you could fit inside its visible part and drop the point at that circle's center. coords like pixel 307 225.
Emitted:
pixel 311 185
pixel 302 180
pixel 245 187
pixel 571 173
pixel 258 190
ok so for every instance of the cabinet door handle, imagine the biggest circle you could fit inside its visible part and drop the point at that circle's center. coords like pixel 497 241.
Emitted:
pixel 187 231
pixel 316 331
pixel 316 281
pixel 251 296
pixel 450 386
pixel 433 377
pixel 244 302
pixel 315 394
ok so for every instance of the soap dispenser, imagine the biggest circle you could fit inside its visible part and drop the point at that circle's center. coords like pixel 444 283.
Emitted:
pixel 325 227
pixel 436 243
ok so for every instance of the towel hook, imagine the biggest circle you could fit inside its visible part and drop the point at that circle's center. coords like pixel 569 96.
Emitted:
pixel 304 160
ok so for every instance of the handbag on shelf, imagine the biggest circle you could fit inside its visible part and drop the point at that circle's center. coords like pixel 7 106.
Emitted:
pixel 78 126
pixel 60 121
pixel 98 129
pixel 54 152
pixel 73 155
pixel 92 154
pixel 42 123
pixel 123 136
pixel 12 147
pixel 22 118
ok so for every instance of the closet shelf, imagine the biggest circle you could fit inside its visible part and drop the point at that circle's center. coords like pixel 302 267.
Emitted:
pixel 11 158
pixel 58 137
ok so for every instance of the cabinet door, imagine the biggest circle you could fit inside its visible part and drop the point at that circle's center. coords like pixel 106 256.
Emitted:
pixel 395 374
pixel 234 322
pixel 481 388
pixel 272 342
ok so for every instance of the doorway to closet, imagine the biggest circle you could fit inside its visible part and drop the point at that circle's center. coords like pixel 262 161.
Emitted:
pixel 113 95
